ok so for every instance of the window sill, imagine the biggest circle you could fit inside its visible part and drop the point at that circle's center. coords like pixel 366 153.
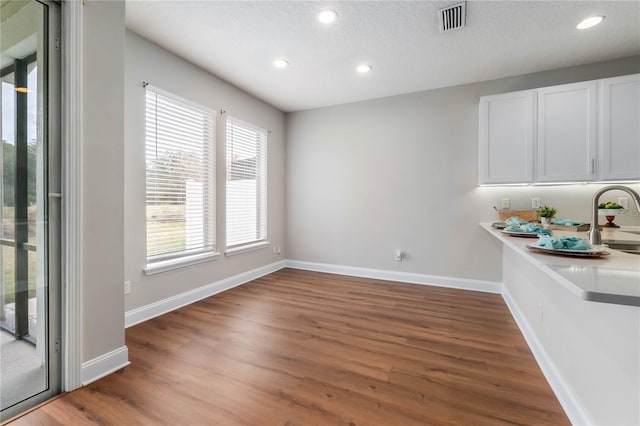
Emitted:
pixel 246 248
pixel 169 265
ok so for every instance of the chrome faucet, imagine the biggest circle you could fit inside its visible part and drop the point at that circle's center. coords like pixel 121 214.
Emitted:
pixel 594 232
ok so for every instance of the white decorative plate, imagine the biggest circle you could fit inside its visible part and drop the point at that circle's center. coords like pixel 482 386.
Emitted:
pixel 521 234
pixel 563 252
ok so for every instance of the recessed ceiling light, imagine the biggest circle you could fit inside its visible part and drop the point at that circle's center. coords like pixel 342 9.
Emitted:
pixel 363 69
pixel 328 16
pixel 280 63
pixel 589 22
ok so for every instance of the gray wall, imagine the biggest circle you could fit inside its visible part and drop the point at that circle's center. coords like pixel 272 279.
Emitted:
pixel 103 178
pixel 367 178
pixel 148 62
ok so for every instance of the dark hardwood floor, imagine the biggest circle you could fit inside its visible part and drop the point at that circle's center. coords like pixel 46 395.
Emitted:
pixel 299 347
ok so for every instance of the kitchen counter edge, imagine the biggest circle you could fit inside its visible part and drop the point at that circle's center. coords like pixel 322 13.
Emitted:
pixel 616 260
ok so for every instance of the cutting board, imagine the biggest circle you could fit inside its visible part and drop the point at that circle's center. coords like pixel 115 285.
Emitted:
pixel 528 215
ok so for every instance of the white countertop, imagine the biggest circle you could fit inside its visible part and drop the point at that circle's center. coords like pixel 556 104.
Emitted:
pixel 610 279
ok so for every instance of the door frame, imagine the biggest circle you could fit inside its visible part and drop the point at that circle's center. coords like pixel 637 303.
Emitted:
pixel 72 235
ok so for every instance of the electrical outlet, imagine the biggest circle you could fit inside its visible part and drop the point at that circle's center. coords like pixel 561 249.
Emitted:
pixel 275 249
pixel 127 287
pixel 398 255
pixel 506 204
pixel 624 202
pixel 535 203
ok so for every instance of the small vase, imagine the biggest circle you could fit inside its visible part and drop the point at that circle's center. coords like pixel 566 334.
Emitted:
pixel 610 223
pixel 545 220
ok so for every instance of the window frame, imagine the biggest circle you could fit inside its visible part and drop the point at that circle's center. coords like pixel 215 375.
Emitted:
pixel 208 251
pixel 261 241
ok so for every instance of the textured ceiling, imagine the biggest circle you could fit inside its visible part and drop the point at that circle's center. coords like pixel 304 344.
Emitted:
pixel 237 40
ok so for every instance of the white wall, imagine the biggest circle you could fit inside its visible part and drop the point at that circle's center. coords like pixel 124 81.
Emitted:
pixel 366 178
pixel 103 178
pixel 148 62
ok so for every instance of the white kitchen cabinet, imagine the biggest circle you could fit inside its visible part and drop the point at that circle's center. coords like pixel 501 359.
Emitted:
pixel 620 128
pixel 506 124
pixel 580 132
pixel 566 133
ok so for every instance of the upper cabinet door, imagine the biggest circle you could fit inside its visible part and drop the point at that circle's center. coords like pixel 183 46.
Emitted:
pixel 620 128
pixel 566 133
pixel 506 137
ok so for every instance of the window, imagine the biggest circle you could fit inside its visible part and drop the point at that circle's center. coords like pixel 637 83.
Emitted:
pixel 246 183
pixel 180 196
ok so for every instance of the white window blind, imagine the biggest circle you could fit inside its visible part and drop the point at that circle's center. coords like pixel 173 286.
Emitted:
pixel 246 183
pixel 180 180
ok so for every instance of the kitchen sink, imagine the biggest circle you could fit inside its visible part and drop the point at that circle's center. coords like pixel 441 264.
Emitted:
pixel 633 248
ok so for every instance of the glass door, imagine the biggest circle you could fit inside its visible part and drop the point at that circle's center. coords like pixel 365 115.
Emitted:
pixel 30 204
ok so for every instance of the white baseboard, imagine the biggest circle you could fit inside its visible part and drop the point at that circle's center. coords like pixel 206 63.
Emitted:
pixel 569 403
pixel 152 310
pixel 405 277
pixel 144 313
pixel 104 365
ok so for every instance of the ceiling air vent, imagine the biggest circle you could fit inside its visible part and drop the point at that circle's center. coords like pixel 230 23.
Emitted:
pixel 452 17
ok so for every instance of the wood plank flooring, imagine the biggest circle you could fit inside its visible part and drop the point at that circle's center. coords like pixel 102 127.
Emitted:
pixel 299 347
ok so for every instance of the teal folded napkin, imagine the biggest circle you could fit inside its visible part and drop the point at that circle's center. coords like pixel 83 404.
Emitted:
pixel 567 222
pixel 528 228
pixel 564 243
pixel 515 220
